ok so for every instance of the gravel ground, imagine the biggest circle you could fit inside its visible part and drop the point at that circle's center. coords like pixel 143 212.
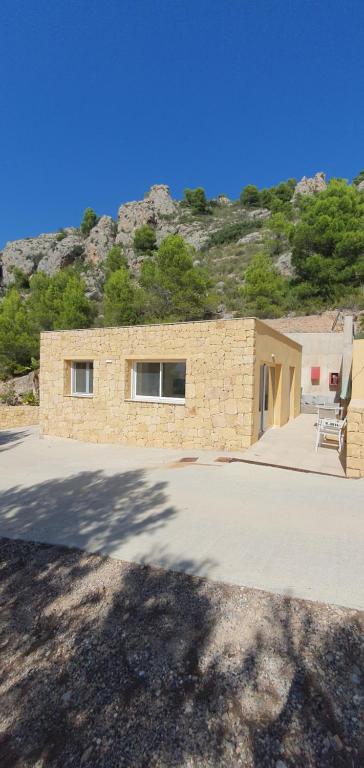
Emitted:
pixel 106 663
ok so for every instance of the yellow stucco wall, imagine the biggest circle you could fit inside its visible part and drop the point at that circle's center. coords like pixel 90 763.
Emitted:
pixel 281 354
pixel 355 429
pixel 219 407
pixel 12 416
pixel 357 387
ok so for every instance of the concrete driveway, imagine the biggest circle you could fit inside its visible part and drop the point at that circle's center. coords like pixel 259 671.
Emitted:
pixel 256 526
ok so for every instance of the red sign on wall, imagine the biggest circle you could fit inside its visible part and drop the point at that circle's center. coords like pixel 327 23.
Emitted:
pixel 315 374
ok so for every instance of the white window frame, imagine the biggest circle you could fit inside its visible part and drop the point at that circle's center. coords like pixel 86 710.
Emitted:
pixel 151 398
pixel 74 393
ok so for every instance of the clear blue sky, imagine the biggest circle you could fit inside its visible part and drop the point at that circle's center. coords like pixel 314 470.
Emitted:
pixel 101 99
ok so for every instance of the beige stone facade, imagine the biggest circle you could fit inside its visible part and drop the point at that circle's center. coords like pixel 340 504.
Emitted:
pixel 355 429
pixel 12 416
pixel 221 405
pixel 355 439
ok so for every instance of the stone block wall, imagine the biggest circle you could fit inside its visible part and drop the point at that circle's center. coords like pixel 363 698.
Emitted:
pixel 221 404
pixel 12 416
pixel 355 439
pixel 218 408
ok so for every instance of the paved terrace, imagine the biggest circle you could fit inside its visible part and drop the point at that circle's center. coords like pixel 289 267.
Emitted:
pixel 294 446
pixel 251 525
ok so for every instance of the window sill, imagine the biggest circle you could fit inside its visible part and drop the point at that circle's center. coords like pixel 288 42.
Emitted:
pixel 74 394
pixel 158 400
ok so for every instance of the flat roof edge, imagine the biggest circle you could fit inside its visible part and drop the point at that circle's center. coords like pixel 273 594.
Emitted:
pixel 150 325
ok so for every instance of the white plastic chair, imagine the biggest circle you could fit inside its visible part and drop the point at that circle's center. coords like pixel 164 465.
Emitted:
pixel 330 428
pixel 336 407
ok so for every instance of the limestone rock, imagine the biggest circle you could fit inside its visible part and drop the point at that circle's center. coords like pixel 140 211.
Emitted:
pixel 100 240
pixel 308 186
pixel 223 200
pixel 47 252
pixel 26 254
pixel 252 237
pixel 21 384
pixel 93 280
pixel 63 253
pixel 156 205
pixel 258 214
pixel 194 234
pixel 284 264
pixel 360 186
pixel 159 197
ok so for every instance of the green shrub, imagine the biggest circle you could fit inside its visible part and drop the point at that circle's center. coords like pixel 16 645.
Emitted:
pixel 123 299
pixel 145 239
pixel 18 339
pixel 21 370
pixel 264 291
pixel 250 196
pixel 89 221
pixel 29 398
pixel 280 230
pixel 230 233
pixel 174 288
pixel 19 279
pixel 61 235
pixel 196 200
pixel 328 241
pixel 115 260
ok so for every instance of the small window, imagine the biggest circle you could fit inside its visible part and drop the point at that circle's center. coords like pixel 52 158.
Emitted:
pixel 83 378
pixel 163 382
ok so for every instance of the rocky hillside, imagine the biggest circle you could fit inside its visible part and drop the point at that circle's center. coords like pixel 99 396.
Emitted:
pixel 225 238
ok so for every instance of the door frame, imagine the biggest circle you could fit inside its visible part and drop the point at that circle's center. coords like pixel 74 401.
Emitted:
pixel 264 397
pixel 292 387
pixel 270 375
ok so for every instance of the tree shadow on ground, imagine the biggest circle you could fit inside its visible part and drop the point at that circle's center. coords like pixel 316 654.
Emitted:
pixel 115 664
pixel 90 510
pixel 9 438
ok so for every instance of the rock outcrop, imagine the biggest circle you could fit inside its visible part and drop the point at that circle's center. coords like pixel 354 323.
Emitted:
pixel 22 384
pixel 54 251
pixel 252 237
pixel 284 264
pixel 62 253
pixel 57 250
pixel 258 214
pixel 94 280
pixel 309 186
pixel 100 240
pixel 26 254
pixel 223 200
pixel 155 211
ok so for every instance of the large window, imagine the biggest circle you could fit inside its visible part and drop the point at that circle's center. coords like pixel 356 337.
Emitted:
pixel 82 378
pixel 160 382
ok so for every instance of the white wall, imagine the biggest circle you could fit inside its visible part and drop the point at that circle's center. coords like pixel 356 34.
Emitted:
pixel 326 351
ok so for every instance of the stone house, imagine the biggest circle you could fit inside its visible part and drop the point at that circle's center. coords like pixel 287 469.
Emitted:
pixel 212 384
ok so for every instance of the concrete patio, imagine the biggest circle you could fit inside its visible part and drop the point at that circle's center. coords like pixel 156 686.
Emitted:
pixel 293 446
pixel 257 526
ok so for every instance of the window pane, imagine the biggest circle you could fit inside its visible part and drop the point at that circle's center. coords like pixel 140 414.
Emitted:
pixel 174 379
pixel 80 378
pixel 147 379
pixel 91 379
